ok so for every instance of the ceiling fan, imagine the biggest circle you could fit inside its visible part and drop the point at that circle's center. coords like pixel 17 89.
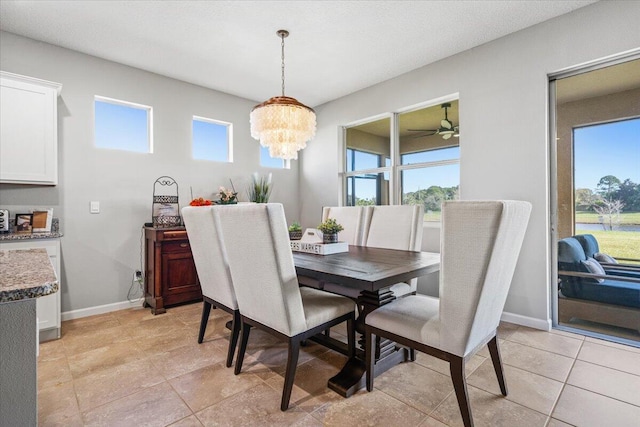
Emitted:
pixel 446 129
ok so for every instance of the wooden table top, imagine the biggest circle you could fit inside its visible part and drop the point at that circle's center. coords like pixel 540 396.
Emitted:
pixel 364 268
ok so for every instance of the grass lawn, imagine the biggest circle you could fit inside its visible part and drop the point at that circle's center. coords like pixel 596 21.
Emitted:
pixel 618 244
pixel 626 218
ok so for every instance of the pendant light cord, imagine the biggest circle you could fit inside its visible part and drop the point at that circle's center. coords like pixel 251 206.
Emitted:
pixel 282 45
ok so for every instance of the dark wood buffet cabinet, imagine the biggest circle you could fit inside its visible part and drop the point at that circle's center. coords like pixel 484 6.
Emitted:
pixel 170 276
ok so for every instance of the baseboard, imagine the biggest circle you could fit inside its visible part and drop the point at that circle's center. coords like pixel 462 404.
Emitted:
pixel 100 309
pixel 530 322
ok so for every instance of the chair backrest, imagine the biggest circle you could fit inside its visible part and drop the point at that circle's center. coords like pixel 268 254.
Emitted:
pixel 589 244
pixel 395 227
pixel 209 255
pixel 261 263
pixel 354 219
pixel 480 245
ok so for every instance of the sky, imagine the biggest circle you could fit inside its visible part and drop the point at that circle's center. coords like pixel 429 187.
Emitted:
pixel 607 149
pixel 121 127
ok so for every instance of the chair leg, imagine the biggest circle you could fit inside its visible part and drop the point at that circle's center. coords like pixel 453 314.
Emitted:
pixel 243 347
pixel 370 349
pixel 412 354
pixel 233 339
pixel 292 364
pixel 206 308
pixel 494 350
pixel 456 367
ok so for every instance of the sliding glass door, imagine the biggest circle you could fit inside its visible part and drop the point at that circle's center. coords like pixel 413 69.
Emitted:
pixel 596 208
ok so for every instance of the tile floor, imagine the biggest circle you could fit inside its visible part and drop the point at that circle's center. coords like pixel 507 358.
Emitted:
pixel 130 368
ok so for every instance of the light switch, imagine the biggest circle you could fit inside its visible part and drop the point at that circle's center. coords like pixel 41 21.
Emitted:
pixel 95 207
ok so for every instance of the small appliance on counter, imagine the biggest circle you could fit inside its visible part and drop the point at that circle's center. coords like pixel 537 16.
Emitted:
pixel 4 221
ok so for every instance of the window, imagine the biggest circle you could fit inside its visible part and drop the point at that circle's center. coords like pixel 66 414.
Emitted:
pixel 121 125
pixel 212 140
pixel 271 162
pixel 427 166
pixel 607 185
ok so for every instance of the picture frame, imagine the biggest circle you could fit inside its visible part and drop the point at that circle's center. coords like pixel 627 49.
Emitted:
pixel 42 221
pixel 24 223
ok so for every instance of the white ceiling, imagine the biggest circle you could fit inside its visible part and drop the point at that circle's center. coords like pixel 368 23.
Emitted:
pixel 335 47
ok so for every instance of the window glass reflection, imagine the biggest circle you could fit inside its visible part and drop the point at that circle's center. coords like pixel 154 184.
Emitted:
pixel 367 189
pixel 429 187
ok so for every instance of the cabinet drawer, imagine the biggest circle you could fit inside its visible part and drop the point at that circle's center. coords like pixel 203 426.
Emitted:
pixel 172 247
pixel 174 235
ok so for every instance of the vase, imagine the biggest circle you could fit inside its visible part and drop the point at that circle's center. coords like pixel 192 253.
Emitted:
pixel 330 238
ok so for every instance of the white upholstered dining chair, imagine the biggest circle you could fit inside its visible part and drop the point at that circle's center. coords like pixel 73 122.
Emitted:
pixel 354 220
pixel 213 269
pixel 264 278
pixel 396 227
pixel 480 244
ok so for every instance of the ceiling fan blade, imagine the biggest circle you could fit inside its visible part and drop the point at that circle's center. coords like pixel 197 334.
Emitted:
pixel 446 124
pixel 446 136
pixel 423 135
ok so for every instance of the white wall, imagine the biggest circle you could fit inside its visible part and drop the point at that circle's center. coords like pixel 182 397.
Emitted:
pixel 101 252
pixel 503 92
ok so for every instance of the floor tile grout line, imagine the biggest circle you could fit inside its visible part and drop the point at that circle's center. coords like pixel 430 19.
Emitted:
pixel 564 384
pixel 610 367
pixel 427 414
pixel 181 399
pixel 603 395
pixel 544 349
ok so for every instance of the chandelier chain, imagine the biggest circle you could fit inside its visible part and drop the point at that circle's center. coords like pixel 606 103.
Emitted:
pixel 282 46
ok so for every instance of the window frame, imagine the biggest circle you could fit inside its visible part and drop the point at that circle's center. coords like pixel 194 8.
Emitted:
pixel 396 168
pixel 229 127
pixel 113 101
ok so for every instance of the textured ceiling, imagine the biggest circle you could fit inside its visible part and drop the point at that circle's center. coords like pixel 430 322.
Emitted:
pixel 335 47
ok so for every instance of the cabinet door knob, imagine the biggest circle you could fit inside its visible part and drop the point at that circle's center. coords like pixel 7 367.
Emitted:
pixel 184 245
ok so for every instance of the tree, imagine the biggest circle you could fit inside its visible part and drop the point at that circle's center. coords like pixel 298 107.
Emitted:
pixel 629 194
pixel 585 199
pixel 609 210
pixel 608 185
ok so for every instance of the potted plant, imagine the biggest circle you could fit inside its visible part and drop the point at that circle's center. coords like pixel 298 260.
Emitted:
pixel 330 229
pixel 260 188
pixel 227 197
pixel 295 231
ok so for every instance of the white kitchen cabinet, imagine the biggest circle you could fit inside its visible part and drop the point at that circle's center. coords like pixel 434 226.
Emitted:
pixel 28 130
pixel 48 307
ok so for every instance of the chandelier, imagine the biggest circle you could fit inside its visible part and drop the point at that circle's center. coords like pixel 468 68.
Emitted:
pixel 282 124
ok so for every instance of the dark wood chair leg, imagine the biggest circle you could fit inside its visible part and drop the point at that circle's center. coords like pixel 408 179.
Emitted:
pixel 370 349
pixel 292 364
pixel 206 309
pixel 233 339
pixel 456 366
pixel 243 347
pixel 494 350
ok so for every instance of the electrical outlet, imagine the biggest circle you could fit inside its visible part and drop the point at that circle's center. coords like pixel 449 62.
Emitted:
pixel 137 276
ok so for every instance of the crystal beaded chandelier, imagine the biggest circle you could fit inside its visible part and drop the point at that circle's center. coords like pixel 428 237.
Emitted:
pixel 281 123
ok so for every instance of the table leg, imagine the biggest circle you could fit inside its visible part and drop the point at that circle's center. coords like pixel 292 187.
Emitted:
pixel 351 377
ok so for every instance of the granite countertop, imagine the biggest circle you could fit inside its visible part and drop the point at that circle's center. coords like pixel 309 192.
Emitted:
pixel 29 236
pixel 26 273
pixel 53 234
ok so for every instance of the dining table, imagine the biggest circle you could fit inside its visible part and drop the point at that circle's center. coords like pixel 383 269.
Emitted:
pixel 366 273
